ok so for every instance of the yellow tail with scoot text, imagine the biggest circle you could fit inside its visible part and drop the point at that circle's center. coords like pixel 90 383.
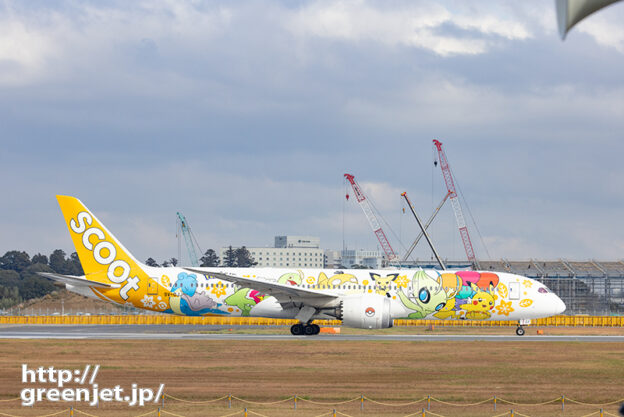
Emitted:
pixel 105 260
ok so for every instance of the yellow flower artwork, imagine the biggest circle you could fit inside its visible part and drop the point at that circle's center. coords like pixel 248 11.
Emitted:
pixel 219 289
pixel 401 281
pixel 504 308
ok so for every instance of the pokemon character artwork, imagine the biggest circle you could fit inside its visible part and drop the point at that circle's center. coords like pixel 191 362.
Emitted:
pixel 189 300
pixel 366 299
pixel 245 299
pixel 383 283
pixel 460 295
pixel 426 296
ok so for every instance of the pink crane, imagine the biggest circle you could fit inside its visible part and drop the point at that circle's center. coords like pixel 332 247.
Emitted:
pixel 372 219
pixel 459 215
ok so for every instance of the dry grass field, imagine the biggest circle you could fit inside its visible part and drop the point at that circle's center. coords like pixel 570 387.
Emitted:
pixel 422 330
pixel 390 372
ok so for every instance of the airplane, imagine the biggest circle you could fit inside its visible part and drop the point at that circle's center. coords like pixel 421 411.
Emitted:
pixel 361 298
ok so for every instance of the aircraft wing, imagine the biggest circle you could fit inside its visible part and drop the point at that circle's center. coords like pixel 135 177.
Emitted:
pixel 76 281
pixel 281 292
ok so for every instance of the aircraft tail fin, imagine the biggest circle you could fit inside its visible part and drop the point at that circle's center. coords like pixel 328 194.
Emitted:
pixel 104 259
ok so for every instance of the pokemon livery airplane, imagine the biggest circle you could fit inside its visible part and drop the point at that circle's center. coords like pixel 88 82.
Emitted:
pixel 369 299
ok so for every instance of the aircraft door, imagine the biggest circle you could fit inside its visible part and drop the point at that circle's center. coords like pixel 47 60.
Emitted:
pixel 514 290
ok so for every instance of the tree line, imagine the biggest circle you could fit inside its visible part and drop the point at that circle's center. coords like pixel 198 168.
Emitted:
pixel 18 274
pixel 169 262
pixel 239 257
pixel 19 280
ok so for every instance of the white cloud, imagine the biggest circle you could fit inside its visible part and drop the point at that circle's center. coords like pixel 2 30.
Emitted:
pixel 605 28
pixel 413 24
pixel 24 51
pixel 277 100
pixel 383 195
pixel 490 24
pixel 434 101
pixel 38 45
pixel 82 38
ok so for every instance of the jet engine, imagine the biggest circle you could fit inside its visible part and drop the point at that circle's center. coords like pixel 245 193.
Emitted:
pixel 366 311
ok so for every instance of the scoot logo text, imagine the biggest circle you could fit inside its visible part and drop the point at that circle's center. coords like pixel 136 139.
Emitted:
pixel 104 253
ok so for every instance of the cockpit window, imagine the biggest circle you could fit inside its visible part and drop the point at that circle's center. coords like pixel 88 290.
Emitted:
pixel 543 290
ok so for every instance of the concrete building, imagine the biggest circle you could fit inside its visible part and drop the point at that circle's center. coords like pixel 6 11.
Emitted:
pixel 288 257
pixel 297 242
pixel 333 259
pixel 368 258
pixel 289 252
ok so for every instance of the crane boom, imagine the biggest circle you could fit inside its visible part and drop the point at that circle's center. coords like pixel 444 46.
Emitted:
pixel 186 231
pixel 459 215
pixel 424 230
pixel 372 219
pixel 421 234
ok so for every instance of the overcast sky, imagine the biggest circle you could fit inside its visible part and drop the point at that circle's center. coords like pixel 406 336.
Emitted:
pixel 245 115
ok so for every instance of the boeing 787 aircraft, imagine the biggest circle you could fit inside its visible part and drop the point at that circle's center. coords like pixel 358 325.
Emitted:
pixel 361 298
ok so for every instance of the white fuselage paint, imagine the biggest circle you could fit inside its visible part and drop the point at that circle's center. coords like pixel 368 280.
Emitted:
pixel 518 298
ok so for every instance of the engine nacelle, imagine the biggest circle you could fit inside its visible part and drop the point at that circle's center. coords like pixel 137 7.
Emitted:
pixel 366 311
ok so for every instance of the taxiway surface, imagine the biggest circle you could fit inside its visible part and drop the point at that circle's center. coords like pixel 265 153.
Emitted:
pixel 164 332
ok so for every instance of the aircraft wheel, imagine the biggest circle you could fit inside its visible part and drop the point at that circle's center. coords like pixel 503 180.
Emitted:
pixel 520 331
pixel 309 330
pixel 296 329
pixel 317 328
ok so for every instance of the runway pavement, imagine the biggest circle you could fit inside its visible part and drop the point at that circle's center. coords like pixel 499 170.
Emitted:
pixel 157 332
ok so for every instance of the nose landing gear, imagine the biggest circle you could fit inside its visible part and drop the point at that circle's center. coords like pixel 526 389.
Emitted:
pixel 307 329
pixel 520 329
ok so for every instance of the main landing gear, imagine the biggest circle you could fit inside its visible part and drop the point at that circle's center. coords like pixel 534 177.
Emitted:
pixel 305 329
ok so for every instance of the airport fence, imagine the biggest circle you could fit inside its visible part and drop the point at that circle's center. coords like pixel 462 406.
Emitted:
pixel 231 406
pixel 571 321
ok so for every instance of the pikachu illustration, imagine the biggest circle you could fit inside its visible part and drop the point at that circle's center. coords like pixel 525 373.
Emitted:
pixel 480 305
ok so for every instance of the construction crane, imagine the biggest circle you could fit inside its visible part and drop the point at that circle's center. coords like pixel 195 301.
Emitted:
pixel 422 233
pixel 459 215
pixel 372 219
pixel 189 238
pixel 423 229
